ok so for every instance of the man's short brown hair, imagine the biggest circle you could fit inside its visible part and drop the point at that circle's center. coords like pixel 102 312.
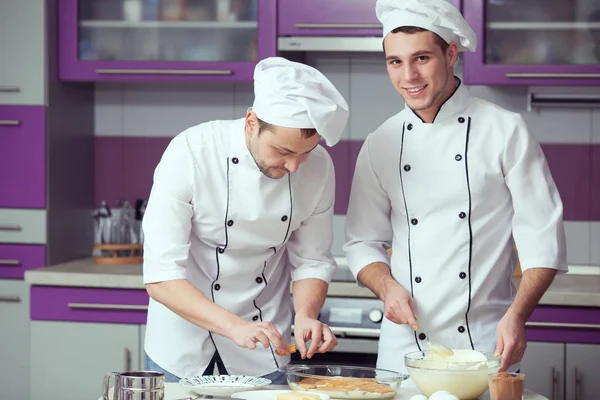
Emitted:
pixel 414 29
pixel 262 126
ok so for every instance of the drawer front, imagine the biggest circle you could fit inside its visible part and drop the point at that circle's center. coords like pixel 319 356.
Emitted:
pixel 16 259
pixel 23 226
pixel 22 157
pixel 81 304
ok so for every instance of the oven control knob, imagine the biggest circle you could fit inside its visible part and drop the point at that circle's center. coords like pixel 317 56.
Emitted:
pixel 376 315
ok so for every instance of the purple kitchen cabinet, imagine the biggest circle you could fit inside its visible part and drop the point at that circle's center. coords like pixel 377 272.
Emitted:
pixel 22 157
pixel 164 41
pixel 16 259
pixel 329 18
pixel 529 43
pixel 564 324
pixel 83 304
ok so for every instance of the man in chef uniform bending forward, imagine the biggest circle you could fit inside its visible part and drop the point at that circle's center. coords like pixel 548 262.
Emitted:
pixel 236 208
pixel 449 183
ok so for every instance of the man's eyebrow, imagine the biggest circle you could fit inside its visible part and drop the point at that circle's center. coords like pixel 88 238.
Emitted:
pixel 293 152
pixel 415 54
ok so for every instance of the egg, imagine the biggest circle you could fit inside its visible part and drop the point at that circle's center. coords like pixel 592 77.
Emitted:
pixel 443 395
pixel 418 397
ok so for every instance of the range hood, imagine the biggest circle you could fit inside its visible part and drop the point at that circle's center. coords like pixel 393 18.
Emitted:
pixel 563 97
pixel 327 43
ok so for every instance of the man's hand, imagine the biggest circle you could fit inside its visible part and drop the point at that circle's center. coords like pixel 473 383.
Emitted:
pixel 248 334
pixel 511 342
pixel 399 305
pixel 321 337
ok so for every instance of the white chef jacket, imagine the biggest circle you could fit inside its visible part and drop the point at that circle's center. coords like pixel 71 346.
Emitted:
pixel 214 219
pixel 449 197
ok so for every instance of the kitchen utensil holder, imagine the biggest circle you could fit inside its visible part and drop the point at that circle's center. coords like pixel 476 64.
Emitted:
pixel 119 254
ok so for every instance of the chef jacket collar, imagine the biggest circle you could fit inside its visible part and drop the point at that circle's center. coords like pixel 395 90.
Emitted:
pixel 456 104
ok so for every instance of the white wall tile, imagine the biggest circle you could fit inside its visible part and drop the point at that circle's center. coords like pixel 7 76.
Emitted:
pixel 579 239
pixel 595 244
pixel 373 98
pixel 108 118
pixel 596 126
pixel 513 98
pixel 336 67
pixel 554 125
pixel 339 235
pixel 166 109
pixel 243 97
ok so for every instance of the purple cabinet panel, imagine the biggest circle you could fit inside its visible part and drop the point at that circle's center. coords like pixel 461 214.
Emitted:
pixel 564 325
pixel 329 18
pixel 16 259
pixel 79 304
pixel 478 72
pixel 22 157
pixel 159 68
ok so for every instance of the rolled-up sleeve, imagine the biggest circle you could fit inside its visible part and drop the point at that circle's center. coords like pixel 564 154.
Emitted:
pixel 309 247
pixel 368 226
pixel 537 223
pixel 168 216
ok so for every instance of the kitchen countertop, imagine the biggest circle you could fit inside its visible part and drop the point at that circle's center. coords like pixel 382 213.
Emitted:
pixel 176 391
pixel 569 289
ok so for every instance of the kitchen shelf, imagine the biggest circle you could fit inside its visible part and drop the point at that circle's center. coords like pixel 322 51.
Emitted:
pixel 509 25
pixel 170 24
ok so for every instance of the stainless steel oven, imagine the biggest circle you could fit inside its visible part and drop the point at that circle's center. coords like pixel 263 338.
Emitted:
pixel 356 323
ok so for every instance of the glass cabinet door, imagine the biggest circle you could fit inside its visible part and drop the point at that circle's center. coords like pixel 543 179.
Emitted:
pixel 150 40
pixel 542 32
pixel 168 30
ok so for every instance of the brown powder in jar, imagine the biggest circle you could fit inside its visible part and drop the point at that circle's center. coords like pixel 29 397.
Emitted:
pixel 505 386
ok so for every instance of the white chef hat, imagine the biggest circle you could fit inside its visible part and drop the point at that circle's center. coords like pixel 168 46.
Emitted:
pixel 437 16
pixel 295 95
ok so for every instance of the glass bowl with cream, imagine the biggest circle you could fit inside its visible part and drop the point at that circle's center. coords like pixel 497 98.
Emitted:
pixel 344 382
pixel 464 373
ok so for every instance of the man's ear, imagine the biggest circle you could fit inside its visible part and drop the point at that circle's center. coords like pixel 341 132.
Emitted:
pixel 251 125
pixel 452 54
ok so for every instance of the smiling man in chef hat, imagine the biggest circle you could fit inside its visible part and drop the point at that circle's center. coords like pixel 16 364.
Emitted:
pixel 237 210
pixel 451 183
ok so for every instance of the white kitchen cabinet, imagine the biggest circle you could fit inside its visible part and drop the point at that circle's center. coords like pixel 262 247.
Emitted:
pixel 23 52
pixel 544 369
pixel 14 340
pixel 583 372
pixel 70 359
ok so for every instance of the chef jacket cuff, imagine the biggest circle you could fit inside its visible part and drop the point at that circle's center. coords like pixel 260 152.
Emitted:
pixel 322 271
pixel 357 264
pixel 158 274
pixel 559 267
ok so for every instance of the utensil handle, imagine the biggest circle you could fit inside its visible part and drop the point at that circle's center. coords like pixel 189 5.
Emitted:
pixel 577 382
pixel 127 359
pixel 553 381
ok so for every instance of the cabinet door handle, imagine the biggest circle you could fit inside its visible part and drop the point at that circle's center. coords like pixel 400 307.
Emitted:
pixel 127 359
pixel 9 122
pixel 10 299
pixel 164 71
pixel 577 382
pixel 92 306
pixel 561 325
pixel 551 75
pixel 337 26
pixel 10 227
pixel 10 263
pixel 553 382
pixel 9 89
